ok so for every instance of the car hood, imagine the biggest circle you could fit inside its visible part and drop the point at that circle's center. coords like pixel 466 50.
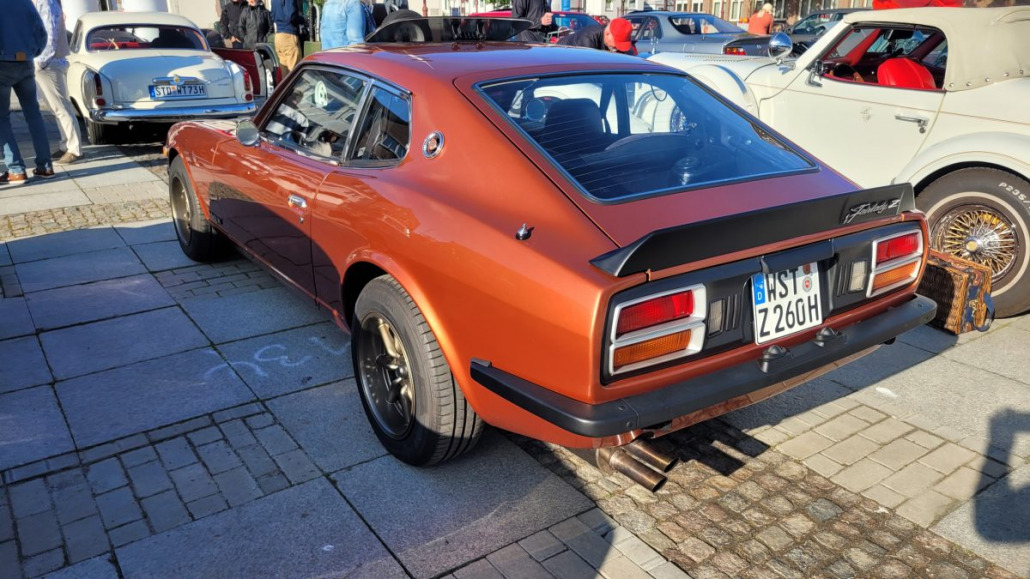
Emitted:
pixel 131 77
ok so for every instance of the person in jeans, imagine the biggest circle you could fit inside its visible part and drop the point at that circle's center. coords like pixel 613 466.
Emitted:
pixel 344 22
pixel 51 70
pixel 286 19
pixel 22 38
pixel 255 23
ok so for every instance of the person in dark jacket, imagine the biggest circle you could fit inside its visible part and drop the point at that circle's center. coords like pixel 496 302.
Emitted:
pixel 617 36
pixel 255 24
pixel 539 13
pixel 229 23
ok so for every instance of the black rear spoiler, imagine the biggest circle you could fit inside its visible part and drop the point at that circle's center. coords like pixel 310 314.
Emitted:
pixel 688 243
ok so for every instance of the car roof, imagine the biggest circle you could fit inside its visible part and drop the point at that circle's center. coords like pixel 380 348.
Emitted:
pixel 94 19
pixel 985 45
pixel 411 65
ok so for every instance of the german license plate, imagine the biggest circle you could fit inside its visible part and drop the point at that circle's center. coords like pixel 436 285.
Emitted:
pixel 786 302
pixel 171 91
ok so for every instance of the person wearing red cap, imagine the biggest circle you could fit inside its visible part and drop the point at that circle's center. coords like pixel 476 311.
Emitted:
pixel 617 36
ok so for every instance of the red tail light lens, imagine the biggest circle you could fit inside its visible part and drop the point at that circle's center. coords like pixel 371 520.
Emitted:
pixel 734 50
pixel 248 87
pixel 98 87
pixel 655 311
pixel 903 246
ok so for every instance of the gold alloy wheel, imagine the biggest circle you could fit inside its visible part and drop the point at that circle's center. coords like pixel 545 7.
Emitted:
pixel 980 234
pixel 386 376
pixel 181 214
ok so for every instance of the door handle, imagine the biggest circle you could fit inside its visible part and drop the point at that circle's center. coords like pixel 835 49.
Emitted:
pixel 297 201
pixel 921 121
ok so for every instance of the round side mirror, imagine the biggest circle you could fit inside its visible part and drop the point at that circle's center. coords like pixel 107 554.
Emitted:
pixel 247 133
pixel 780 45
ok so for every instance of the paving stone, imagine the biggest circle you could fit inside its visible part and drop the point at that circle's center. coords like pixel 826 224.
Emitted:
pixel 33 419
pixel 886 431
pixel 43 563
pixel 78 304
pixel 64 243
pixel 118 507
pixel 948 458
pixel 162 255
pixel 150 231
pixel 297 466
pixel 842 427
pixel 926 508
pixel 924 439
pixel 275 440
pixel 237 486
pixel 542 545
pixel 175 453
pixel 165 511
pixel 219 457
pixel 149 479
pixel 598 521
pixel 17 321
pixel 205 436
pixel 514 562
pixel 29 498
pixel 78 269
pixel 9 559
pixel 823 510
pixel 238 434
pixel 273 483
pixel 238 412
pixel 622 567
pixel 6 524
pixel 85 538
pixel 39 533
pixel 208 505
pixel 822 465
pixel 308 519
pixel 851 450
pixel 481 569
pixel 73 502
pixel 95 568
pixel 257 461
pixel 797 525
pixel 668 570
pixel 912 480
pixel 191 385
pixel 106 476
pixel 226 319
pixel 867 414
pixel 260 421
pixel 963 484
pixel 193 482
pixel 861 475
pixel 138 457
pixel 884 496
pixel 805 445
pixel 179 429
pixel 568 565
pixel 898 453
pixel 100 452
pixel 128 533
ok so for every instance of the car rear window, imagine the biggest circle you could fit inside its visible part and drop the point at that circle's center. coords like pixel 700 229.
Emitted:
pixel 621 136
pixel 135 37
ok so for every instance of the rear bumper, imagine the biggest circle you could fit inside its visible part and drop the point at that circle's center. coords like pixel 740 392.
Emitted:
pixel 653 408
pixel 172 114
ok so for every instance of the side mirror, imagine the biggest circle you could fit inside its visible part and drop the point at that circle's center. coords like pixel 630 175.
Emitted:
pixel 816 72
pixel 247 133
pixel 780 46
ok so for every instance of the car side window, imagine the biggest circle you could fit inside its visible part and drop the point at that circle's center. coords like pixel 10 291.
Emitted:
pixel 317 112
pixel 649 29
pixel 385 131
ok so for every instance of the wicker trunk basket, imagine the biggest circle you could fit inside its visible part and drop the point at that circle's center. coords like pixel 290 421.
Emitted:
pixel 962 290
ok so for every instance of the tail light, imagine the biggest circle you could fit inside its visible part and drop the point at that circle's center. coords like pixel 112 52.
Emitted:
pixel 734 50
pixel 96 86
pixel 657 329
pixel 896 262
pixel 248 87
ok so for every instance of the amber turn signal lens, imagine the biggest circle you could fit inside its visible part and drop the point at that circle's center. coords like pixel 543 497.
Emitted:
pixel 896 275
pixel 653 348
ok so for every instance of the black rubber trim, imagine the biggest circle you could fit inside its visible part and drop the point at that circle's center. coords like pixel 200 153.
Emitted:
pixel 658 406
pixel 688 243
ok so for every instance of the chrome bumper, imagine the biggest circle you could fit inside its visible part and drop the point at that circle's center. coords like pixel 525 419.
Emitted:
pixel 171 114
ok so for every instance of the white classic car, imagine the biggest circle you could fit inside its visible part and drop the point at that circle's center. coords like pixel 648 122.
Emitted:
pixel 150 67
pixel 933 96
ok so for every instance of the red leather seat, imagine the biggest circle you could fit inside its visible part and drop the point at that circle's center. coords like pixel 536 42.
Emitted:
pixel 905 73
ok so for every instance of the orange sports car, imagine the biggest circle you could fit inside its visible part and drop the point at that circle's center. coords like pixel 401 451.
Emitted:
pixel 577 246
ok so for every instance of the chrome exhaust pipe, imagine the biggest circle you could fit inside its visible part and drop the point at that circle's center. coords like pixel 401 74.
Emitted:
pixel 619 460
pixel 648 454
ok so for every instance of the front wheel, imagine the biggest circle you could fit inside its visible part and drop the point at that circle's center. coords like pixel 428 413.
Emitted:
pixel 416 409
pixel 982 214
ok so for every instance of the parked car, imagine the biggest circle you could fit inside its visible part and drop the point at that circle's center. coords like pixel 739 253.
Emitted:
pixel 659 31
pixel 814 25
pixel 929 96
pixel 512 259
pixel 150 67
pixel 565 22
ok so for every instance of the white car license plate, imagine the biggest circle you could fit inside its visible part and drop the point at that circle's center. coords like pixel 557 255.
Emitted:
pixel 786 302
pixel 169 91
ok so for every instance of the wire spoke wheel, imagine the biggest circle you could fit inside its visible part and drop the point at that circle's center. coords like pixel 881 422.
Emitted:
pixel 980 234
pixel 386 376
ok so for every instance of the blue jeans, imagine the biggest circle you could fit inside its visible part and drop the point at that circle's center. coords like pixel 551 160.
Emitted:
pixel 21 76
pixel 343 23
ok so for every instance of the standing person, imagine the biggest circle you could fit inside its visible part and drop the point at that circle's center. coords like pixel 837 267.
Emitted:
pixel 22 38
pixel 616 36
pixel 761 22
pixel 229 23
pixel 51 71
pixel 255 24
pixel 539 13
pixel 344 22
pixel 286 20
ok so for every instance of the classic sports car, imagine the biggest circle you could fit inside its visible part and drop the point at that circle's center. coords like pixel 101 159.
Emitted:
pixel 935 97
pixel 593 270
pixel 691 32
pixel 150 67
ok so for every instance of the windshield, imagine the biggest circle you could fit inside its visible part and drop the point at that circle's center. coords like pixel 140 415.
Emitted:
pixel 702 24
pixel 136 37
pixel 622 136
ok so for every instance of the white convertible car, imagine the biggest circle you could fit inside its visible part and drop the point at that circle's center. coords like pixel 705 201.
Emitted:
pixel 933 96
pixel 150 67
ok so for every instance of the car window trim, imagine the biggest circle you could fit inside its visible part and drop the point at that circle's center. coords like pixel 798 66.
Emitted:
pixel 813 165
pixel 203 38
pixel 377 164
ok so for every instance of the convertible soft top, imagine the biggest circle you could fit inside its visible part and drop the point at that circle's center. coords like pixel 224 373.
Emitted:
pixel 985 45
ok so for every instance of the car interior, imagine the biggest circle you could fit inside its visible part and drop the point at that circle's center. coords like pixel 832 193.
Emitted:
pixel 144 37
pixel 895 57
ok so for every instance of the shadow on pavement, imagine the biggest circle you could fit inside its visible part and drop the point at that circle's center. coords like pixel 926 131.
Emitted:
pixel 1002 512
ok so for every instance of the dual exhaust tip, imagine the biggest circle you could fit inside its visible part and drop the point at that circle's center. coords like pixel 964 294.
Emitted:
pixel 639 460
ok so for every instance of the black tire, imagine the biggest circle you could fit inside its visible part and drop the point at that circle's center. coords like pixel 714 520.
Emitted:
pixel 429 420
pixel 197 238
pixel 98 134
pixel 982 214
